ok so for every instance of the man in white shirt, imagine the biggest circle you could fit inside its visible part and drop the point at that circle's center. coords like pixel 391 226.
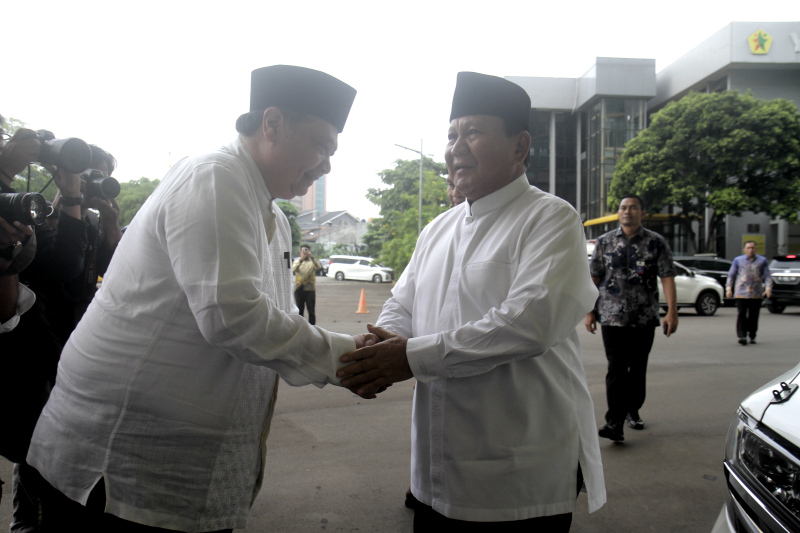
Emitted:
pixel 484 317
pixel 165 390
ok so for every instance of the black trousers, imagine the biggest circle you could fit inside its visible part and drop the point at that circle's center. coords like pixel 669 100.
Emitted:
pixel 426 520
pixel 627 351
pixel 308 299
pixel 747 319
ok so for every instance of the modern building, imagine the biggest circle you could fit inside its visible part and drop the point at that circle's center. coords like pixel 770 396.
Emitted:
pixel 579 126
pixel 314 199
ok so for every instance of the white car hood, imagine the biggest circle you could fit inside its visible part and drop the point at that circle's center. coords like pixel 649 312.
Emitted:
pixel 784 417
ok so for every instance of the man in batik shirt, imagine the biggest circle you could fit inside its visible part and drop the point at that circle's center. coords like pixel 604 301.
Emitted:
pixel 625 266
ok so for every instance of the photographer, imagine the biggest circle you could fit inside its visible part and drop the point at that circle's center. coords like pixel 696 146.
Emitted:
pixel 63 274
pixel 305 294
pixel 17 246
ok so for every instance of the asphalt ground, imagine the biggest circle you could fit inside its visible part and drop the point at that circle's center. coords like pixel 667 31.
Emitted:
pixel 339 463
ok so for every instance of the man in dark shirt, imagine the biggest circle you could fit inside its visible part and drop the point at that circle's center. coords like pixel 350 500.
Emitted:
pixel 625 266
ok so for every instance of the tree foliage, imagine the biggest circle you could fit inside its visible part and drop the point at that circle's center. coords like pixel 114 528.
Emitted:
pixel 728 151
pixel 132 196
pixel 391 238
pixel 291 213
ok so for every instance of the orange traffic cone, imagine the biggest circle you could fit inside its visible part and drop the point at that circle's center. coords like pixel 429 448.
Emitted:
pixel 362 304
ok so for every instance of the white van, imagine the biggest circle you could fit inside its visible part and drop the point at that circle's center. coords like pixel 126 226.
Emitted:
pixel 344 267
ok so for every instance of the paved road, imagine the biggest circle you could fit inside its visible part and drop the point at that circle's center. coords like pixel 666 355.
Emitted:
pixel 340 463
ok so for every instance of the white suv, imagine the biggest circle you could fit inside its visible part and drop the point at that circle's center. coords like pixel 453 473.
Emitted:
pixel 694 290
pixel 344 267
pixel 762 461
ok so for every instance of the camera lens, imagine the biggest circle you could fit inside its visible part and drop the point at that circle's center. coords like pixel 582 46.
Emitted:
pixel 26 207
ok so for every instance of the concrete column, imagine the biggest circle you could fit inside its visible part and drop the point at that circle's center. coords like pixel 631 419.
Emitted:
pixel 578 166
pixel 552 152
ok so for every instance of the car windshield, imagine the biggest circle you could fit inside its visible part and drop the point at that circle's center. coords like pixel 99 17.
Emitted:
pixel 785 264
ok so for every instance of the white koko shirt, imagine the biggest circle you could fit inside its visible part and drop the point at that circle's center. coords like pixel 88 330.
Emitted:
pixel 166 387
pixel 502 413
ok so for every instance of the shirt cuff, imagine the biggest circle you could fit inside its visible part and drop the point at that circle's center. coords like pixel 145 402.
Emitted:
pixel 25 301
pixel 425 357
pixel 340 345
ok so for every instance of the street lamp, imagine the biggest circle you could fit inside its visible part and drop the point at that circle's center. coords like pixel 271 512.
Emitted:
pixel 420 179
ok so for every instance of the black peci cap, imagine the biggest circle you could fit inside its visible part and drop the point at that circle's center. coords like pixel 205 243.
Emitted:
pixel 480 94
pixel 303 90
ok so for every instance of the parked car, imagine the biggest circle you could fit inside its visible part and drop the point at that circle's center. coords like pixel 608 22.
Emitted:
pixel 344 267
pixel 785 271
pixel 713 267
pixel 694 290
pixel 324 270
pixel 762 461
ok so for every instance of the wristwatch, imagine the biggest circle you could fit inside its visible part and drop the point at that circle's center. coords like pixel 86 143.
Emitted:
pixel 10 252
pixel 76 200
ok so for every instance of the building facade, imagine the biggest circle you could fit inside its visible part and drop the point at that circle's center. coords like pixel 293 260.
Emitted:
pixel 579 126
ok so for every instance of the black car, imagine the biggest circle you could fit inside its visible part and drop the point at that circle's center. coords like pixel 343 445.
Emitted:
pixel 785 271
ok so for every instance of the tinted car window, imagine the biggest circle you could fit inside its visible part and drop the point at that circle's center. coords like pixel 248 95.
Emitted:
pixel 785 264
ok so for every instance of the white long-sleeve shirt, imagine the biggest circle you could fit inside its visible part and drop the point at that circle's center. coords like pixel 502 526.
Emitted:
pixel 502 413
pixel 166 387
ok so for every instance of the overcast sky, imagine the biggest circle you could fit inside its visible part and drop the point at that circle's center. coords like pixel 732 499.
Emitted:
pixel 153 82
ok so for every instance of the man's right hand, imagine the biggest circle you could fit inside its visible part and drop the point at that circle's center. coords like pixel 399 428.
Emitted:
pixel 374 368
pixel 591 322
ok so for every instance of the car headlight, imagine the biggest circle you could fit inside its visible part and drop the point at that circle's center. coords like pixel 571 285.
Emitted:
pixel 758 452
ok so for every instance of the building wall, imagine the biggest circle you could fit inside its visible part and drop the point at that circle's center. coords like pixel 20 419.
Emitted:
pixel 767 84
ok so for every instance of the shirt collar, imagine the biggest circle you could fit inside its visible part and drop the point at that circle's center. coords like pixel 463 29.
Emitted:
pixel 639 232
pixel 499 198
pixel 238 149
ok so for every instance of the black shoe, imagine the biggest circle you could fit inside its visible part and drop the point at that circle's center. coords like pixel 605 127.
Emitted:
pixel 635 422
pixel 752 340
pixel 742 341
pixel 612 431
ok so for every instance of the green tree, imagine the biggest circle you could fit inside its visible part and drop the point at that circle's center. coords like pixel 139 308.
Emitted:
pixel 291 213
pixel 391 238
pixel 132 196
pixel 728 151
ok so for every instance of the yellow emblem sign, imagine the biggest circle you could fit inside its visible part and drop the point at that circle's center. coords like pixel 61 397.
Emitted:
pixel 760 42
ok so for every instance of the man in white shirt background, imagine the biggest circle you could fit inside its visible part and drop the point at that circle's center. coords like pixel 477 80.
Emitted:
pixel 165 390
pixel 484 317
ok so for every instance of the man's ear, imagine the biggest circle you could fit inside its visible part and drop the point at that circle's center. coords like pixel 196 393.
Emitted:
pixel 523 147
pixel 272 123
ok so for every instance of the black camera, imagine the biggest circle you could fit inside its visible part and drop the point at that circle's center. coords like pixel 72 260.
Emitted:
pixel 26 207
pixel 99 185
pixel 71 155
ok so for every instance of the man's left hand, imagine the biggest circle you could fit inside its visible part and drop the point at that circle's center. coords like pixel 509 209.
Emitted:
pixel 670 323
pixel 768 293
pixel 376 367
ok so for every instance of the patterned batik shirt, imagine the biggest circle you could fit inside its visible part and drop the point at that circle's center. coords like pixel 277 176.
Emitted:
pixel 749 278
pixel 629 270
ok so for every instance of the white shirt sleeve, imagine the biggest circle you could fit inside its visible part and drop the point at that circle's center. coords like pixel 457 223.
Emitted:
pixel 25 301
pixel 549 295
pixel 212 239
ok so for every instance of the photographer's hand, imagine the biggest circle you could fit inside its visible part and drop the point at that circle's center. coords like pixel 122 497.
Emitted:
pixel 20 151
pixel 13 233
pixel 109 218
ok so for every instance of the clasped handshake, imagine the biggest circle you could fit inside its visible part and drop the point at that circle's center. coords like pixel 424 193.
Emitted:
pixel 378 362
